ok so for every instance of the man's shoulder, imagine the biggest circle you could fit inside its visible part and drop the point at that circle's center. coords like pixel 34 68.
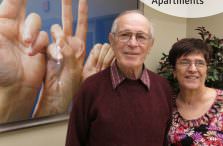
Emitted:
pixel 161 85
pixel 97 78
pixel 155 76
pixel 96 84
pixel 158 81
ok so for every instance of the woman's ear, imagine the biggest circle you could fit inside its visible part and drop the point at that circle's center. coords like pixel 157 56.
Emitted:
pixel 174 74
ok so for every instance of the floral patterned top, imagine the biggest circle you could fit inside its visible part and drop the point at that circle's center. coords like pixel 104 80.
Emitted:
pixel 204 131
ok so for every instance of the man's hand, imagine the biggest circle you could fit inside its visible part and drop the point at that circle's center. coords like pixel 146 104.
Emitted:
pixel 20 73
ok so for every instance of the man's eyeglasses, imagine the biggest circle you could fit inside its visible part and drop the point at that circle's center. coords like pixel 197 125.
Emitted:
pixel 199 64
pixel 126 36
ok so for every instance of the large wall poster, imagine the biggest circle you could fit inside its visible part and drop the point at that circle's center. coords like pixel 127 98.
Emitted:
pixel 101 15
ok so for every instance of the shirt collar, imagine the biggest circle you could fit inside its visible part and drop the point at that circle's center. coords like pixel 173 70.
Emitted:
pixel 118 77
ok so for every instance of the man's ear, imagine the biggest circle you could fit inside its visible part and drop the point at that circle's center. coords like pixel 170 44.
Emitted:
pixel 111 39
pixel 150 45
pixel 174 74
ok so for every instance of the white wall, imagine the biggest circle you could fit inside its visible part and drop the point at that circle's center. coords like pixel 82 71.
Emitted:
pixel 167 30
pixel 213 24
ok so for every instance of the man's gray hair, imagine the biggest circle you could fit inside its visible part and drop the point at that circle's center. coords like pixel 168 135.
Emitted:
pixel 115 22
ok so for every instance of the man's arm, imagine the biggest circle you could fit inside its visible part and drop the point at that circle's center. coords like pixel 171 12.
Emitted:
pixel 78 122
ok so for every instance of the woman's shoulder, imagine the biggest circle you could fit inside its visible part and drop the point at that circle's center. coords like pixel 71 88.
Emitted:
pixel 219 100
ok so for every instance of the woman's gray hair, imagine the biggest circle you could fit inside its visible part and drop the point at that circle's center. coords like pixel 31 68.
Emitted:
pixel 115 22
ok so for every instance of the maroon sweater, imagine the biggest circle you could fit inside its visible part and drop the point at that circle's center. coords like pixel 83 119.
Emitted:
pixel 129 115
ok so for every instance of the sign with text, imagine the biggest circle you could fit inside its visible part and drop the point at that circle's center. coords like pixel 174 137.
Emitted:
pixel 187 8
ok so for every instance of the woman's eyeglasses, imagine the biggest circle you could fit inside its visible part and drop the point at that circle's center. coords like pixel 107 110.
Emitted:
pixel 199 64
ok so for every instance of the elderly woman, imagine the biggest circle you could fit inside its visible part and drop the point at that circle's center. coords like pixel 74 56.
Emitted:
pixel 198 109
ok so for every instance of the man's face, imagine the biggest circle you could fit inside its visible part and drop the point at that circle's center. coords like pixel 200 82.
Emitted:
pixel 131 41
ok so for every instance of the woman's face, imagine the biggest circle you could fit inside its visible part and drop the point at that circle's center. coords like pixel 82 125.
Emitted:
pixel 191 71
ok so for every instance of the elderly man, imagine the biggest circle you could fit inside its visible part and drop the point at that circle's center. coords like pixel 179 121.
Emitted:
pixel 125 104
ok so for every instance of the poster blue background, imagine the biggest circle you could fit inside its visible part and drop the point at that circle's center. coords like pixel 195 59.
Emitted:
pixel 101 15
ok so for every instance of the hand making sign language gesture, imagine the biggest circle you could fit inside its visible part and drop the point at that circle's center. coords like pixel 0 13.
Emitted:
pixel 64 77
pixel 21 74
pixel 27 61
pixel 60 86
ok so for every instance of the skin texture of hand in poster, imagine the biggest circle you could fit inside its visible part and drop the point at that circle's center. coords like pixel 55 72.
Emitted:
pixel 28 61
